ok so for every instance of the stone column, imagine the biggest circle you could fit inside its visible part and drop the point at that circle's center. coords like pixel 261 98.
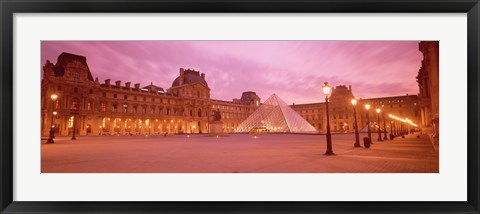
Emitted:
pixel 142 125
pixel 122 126
pixel 81 125
pixel 151 125
pixel 64 125
pixel 112 127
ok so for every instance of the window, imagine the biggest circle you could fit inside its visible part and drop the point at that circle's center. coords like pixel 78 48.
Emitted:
pixel 104 94
pixel 75 90
pixel 144 99
pixel 59 88
pixel 114 109
pixel 89 106
pixel 125 108
pixel 103 107
pixel 135 97
pixel 70 122
pixel 76 75
pixel 90 91
pixel 125 97
pixel 114 95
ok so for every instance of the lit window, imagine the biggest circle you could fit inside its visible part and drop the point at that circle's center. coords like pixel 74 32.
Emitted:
pixel 70 122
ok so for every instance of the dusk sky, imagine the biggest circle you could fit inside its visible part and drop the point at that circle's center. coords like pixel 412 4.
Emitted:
pixel 294 70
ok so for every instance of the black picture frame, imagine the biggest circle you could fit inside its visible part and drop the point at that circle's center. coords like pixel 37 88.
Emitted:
pixel 9 7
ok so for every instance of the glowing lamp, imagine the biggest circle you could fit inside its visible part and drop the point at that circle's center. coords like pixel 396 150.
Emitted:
pixel 54 97
pixel 326 89
pixel 354 102
pixel 367 106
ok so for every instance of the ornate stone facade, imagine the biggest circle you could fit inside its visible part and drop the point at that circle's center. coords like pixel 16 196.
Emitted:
pixel 428 84
pixel 341 111
pixel 94 108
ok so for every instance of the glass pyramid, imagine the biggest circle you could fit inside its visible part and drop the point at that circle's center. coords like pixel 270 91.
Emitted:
pixel 274 115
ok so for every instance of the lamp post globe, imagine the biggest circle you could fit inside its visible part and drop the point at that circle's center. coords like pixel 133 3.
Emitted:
pixel 357 137
pixel 327 90
pixel 378 123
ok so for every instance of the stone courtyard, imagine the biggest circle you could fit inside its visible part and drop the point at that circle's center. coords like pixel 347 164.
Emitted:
pixel 237 153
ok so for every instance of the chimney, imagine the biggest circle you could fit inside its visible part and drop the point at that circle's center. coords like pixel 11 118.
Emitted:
pixel 350 88
pixel 182 74
pixel 127 84
pixel 107 82
pixel 203 75
pixel 96 80
pixel 118 82
pixel 137 86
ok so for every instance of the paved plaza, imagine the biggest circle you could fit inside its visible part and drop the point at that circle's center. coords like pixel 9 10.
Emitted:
pixel 237 153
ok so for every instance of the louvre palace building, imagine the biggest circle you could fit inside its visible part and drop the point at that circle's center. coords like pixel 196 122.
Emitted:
pixel 89 106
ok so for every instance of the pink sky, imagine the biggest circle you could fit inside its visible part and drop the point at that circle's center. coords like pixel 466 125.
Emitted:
pixel 294 70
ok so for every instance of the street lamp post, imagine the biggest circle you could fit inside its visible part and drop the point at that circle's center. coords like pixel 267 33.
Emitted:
pixel 73 135
pixel 408 125
pixel 327 90
pixel 367 106
pixel 392 134
pixel 50 138
pixel 378 123
pixel 384 127
pixel 357 137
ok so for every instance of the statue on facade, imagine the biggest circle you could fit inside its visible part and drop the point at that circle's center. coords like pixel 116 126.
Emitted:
pixel 216 115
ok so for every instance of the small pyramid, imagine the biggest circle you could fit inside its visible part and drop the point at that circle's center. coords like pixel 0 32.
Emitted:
pixel 275 116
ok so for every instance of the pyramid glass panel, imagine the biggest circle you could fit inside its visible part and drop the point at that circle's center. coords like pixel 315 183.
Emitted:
pixel 274 115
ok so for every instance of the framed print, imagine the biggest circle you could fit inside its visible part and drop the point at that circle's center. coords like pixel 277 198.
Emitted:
pixel 209 106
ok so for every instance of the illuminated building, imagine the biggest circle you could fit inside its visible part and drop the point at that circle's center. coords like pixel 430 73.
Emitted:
pixel 95 108
pixel 428 84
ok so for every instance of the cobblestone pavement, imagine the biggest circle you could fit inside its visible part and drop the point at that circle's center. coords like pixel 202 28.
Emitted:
pixel 269 153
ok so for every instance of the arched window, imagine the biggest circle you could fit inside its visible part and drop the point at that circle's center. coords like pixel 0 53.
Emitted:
pixel 199 112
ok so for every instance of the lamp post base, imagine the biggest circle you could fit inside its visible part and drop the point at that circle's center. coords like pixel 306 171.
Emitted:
pixel 50 140
pixel 329 153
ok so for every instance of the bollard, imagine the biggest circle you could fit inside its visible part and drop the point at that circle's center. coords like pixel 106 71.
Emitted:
pixel 366 142
pixel 391 136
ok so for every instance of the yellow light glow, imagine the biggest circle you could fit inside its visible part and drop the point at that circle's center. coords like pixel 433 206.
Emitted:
pixel 378 110
pixel 326 89
pixel 354 102
pixel 54 97
pixel 54 113
pixel 367 106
